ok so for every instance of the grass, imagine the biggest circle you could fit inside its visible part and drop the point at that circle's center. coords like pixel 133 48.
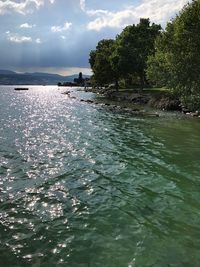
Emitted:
pixel 147 90
pixel 156 90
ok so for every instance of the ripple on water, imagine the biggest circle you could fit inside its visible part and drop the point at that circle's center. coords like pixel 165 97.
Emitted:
pixel 81 186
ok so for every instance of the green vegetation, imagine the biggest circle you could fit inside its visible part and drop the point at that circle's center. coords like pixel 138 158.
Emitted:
pixel 132 47
pixel 176 62
pixel 101 64
pixel 156 90
pixel 143 55
pixel 125 58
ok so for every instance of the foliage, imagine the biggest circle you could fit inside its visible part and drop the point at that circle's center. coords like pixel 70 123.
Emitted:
pixel 132 47
pixel 176 62
pixel 100 63
pixel 192 102
pixel 125 57
pixel 169 58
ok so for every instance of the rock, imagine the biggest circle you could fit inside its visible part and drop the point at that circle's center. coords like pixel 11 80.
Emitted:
pixel 89 101
pixel 165 102
pixel 185 110
pixel 194 114
pixel 136 113
pixel 66 93
pixel 127 109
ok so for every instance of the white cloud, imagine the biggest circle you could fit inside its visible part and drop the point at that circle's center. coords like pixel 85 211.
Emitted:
pixel 159 11
pixel 63 28
pixel 91 12
pixel 38 41
pixel 27 26
pixel 22 7
pixel 16 38
pixel 63 37
pixel 82 4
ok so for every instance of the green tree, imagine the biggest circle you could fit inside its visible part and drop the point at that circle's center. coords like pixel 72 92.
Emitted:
pixel 176 62
pixel 158 64
pixel 132 48
pixel 100 63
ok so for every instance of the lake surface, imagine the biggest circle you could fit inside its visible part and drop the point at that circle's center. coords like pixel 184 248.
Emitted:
pixel 81 186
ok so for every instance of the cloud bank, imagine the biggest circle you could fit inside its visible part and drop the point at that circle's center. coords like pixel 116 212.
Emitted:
pixel 22 7
pixel 159 11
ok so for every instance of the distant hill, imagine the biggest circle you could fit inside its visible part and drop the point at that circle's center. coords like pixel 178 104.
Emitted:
pixel 7 72
pixel 8 77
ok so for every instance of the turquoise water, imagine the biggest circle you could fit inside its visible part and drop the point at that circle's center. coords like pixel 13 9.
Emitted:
pixel 82 186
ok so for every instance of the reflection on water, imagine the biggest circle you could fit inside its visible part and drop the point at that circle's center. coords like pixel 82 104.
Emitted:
pixel 81 186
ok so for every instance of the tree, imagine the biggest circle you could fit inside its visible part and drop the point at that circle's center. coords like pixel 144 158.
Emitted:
pixel 132 48
pixel 100 62
pixel 177 59
pixel 158 64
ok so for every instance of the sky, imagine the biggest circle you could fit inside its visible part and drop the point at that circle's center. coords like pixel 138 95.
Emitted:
pixel 57 36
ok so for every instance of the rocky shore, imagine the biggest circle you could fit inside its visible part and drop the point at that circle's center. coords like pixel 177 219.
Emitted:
pixel 164 101
pixel 117 107
pixel 161 101
pixel 135 103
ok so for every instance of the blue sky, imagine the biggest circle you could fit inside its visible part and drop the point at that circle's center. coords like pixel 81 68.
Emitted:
pixel 57 35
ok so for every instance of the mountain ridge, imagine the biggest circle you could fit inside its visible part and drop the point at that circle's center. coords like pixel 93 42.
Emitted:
pixel 8 77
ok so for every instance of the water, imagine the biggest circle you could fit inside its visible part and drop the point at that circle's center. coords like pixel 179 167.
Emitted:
pixel 81 186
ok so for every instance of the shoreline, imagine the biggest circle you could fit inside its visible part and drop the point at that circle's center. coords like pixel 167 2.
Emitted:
pixel 158 101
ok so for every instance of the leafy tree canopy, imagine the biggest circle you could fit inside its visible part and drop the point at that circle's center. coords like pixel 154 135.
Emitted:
pixel 176 62
pixel 132 48
pixel 100 62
